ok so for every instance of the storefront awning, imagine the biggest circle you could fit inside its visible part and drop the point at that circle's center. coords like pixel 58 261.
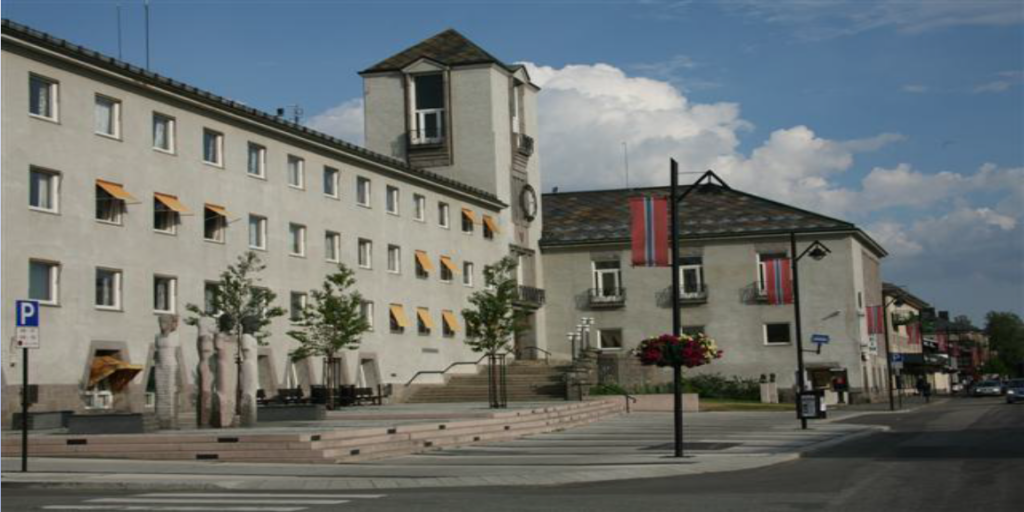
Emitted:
pixel 424 261
pixel 398 313
pixel 116 372
pixel 424 316
pixel 450 320
pixel 491 224
pixel 449 264
pixel 172 203
pixel 117 190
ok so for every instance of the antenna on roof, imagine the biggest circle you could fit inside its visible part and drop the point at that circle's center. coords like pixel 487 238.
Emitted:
pixel 147 35
pixel 119 55
pixel 625 156
pixel 296 112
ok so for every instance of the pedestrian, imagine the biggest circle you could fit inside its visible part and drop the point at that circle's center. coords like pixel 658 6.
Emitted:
pixel 924 388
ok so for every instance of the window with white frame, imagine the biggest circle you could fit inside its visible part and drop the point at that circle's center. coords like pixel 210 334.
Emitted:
pixel 256 163
pixel 366 311
pixel 391 200
pixel 609 339
pixel 257 232
pixel 163 132
pixel 607 279
pixel 422 265
pixel 761 260
pixel 777 333
pixel 443 218
pixel 43 281
pixel 423 321
pixel 44 190
pixel 517 108
pixel 363 191
pixel 211 289
pixel 215 223
pixel 166 215
pixel 428 116
pixel 331 179
pixel 108 117
pixel 213 147
pixel 394 259
pixel 296 172
pixel 108 288
pixel 445 272
pixel 419 203
pixel 332 246
pixel 467 221
pixel 297 305
pixel 109 208
pixel 296 239
pixel 691 277
pixel 42 97
pixel 165 293
pixel 365 257
pixel 467 273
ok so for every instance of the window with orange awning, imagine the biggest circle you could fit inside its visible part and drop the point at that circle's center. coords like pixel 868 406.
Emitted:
pixel 424 261
pixel 424 315
pixel 450 320
pixel 398 314
pixel 491 224
pixel 117 190
pixel 449 264
pixel 172 203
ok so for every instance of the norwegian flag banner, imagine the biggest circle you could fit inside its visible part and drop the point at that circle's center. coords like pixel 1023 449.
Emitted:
pixel 876 323
pixel 914 334
pixel 649 231
pixel 778 281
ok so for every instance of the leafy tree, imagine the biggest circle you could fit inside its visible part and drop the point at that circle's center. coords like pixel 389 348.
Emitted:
pixel 1005 332
pixel 330 323
pixel 492 321
pixel 240 303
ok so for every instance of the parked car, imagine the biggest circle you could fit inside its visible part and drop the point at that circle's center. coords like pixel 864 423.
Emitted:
pixel 1015 391
pixel 987 388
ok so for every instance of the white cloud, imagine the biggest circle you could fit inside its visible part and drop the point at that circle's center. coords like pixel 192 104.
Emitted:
pixel 1005 81
pixel 915 88
pixel 344 121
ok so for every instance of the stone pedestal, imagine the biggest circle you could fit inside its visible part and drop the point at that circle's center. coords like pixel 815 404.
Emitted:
pixel 250 380
pixel 204 385
pixel 167 373
pixel 769 393
pixel 225 381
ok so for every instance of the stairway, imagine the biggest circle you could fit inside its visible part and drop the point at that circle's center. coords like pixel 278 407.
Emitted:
pixel 528 381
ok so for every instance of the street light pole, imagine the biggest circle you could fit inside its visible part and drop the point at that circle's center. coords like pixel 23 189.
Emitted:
pixel 801 384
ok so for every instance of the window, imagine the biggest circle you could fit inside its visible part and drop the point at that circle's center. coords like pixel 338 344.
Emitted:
pixel 215 223
pixel 777 334
pixel 391 200
pixel 331 182
pixel 210 292
pixel 490 227
pixel 363 191
pixel 213 147
pixel 467 273
pixel 609 339
pixel 442 215
pixel 110 201
pixel 296 172
pixel 297 304
pixel 468 219
pixel 163 132
pixel 296 239
pixel 256 164
pixel 108 288
pixel 517 108
pixel 419 203
pixel 607 279
pixel 44 190
pixel 691 277
pixel 332 246
pixel 428 103
pixel 397 320
pixel 108 116
pixel 423 265
pixel 424 323
pixel 167 212
pixel 43 279
pixel 365 253
pixel 366 311
pixel 394 259
pixel 448 269
pixel 165 292
pixel 257 232
pixel 42 100
pixel 448 323
pixel 761 259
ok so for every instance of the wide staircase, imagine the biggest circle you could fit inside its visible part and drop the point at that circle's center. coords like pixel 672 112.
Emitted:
pixel 527 381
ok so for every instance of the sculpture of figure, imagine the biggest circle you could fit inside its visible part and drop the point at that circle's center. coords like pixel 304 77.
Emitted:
pixel 166 369
pixel 249 381
pixel 223 410
pixel 204 400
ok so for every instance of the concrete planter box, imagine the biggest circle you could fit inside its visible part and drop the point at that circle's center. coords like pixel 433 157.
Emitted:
pixel 664 403
pixel 298 412
pixel 112 423
pixel 43 420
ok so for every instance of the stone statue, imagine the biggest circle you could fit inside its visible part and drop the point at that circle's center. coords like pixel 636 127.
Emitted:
pixel 204 384
pixel 250 380
pixel 223 407
pixel 166 369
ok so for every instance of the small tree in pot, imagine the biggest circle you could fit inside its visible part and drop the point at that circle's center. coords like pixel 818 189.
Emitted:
pixel 492 321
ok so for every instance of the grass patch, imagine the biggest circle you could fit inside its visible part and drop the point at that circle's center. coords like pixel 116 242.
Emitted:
pixel 724 404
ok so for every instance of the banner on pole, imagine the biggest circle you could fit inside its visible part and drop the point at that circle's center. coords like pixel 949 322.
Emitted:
pixel 649 231
pixel 778 281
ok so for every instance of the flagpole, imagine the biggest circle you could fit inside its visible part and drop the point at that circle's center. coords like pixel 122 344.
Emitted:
pixel 677 387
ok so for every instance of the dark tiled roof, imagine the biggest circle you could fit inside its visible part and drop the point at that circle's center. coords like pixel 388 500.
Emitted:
pixel 92 57
pixel 709 211
pixel 892 290
pixel 449 48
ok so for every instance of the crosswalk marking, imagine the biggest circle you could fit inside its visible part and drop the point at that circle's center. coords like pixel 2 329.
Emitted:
pixel 215 501
pixel 174 508
pixel 255 495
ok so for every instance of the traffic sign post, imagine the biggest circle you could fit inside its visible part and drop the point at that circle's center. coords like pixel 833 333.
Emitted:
pixel 26 336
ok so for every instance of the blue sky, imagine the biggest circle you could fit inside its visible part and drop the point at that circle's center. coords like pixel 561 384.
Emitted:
pixel 906 118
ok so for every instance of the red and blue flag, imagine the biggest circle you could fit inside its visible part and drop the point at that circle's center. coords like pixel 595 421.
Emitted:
pixel 649 225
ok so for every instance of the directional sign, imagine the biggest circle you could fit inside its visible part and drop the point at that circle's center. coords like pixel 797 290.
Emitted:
pixel 819 339
pixel 27 313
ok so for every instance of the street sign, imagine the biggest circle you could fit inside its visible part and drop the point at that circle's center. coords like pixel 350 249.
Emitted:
pixel 897 361
pixel 27 313
pixel 819 339
pixel 26 337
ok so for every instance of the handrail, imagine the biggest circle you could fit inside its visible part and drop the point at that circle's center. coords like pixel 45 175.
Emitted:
pixel 547 355
pixel 442 372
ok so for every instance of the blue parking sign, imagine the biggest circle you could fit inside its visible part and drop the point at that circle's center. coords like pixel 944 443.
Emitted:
pixel 27 313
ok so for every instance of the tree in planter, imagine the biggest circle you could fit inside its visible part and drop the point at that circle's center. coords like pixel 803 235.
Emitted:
pixel 493 320
pixel 330 323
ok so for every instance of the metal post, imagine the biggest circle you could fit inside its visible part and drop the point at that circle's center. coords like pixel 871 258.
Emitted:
pixel 888 352
pixel 677 321
pixel 799 334
pixel 24 410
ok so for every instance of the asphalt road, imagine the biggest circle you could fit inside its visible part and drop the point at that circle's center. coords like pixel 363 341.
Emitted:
pixel 963 455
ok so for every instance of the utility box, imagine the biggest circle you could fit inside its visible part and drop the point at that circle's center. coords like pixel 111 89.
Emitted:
pixel 812 405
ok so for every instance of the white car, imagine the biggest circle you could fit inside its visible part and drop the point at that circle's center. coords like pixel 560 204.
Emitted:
pixel 987 388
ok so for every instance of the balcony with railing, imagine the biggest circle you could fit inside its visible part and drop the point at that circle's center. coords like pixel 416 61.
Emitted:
pixel 524 144
pixel 689 295
pixel 606 297
pixel 530 297
pixel 429 128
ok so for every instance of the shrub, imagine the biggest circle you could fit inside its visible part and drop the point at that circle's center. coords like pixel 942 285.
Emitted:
pixel 715 385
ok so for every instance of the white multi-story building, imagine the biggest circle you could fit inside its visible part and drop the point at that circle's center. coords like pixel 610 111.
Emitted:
pixel 126 194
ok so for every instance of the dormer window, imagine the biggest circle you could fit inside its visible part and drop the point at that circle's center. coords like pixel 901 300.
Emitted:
pixel 428 125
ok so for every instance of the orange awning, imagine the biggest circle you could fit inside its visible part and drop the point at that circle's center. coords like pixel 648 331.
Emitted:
pixel 491 224
pixel 119 373
pixel 219 210
pixel 450 321
pixel 424 316
pixel 447 262
pixel 469 214
pixel 116 190
pixel 421 257
pixel 399 315
pixel 171 202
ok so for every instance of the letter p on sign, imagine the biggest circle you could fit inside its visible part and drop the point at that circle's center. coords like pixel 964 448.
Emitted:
pixel 27 313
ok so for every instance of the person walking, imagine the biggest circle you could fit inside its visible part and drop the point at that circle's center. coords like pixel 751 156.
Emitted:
pixel 924 388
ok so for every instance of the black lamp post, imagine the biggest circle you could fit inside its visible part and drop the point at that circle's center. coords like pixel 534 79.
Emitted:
pixel 816 251
pixel 897 301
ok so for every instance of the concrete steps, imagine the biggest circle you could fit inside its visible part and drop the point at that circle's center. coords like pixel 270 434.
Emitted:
pixel 327 445
pixel 526 381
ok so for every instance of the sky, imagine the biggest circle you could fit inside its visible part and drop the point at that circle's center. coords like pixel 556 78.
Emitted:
pixel 905 117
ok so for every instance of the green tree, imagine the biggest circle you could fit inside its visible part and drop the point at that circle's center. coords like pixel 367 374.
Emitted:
pixel 493 320
pixel 240 304
pixel 1005 331
pixel 330 323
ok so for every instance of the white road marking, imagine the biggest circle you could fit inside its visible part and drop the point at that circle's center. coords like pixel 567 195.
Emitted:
pixel 255 495
pixel 215 501
pixel 174 508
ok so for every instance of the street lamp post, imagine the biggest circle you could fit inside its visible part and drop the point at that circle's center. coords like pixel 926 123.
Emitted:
pixel 585 323
pixel 817 251
pixel 888 348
